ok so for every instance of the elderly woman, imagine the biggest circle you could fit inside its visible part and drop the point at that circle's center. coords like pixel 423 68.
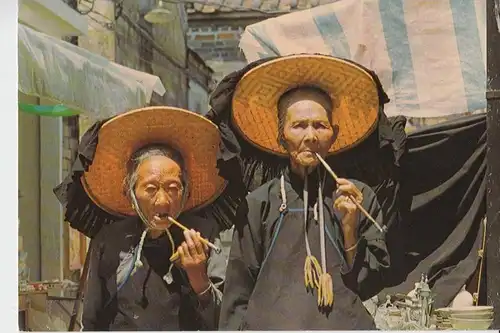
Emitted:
pixel 301 246
pixel 151 166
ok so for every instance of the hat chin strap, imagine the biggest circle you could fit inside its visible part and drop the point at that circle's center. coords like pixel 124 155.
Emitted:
pixel 138 263
pixel 138 209
pixel 141 215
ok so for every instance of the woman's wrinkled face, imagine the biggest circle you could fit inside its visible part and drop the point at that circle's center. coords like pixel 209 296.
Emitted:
pixel 159 189
pixel 307 129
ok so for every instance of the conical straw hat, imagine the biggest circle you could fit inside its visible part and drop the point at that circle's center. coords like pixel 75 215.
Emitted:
pixel 193 136
pixel 352 89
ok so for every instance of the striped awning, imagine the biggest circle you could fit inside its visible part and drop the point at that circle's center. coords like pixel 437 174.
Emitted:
pixel 429 55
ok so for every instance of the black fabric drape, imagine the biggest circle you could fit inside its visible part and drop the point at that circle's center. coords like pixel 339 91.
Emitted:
pixel 430 185
pixel 81 213
pixel 442 203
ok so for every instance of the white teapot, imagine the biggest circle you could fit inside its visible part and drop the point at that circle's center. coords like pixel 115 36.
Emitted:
pixel 462 299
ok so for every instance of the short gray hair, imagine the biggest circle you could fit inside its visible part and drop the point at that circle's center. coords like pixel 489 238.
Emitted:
pixel 149 151
pixel 283 106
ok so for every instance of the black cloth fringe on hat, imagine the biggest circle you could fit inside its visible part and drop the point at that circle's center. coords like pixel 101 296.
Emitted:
pixel 85 216
pixel 81 213
pixel 247 167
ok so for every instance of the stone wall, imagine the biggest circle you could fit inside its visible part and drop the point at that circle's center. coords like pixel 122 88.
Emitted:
pixel 218 46
pixel 216 41
pixel 70 142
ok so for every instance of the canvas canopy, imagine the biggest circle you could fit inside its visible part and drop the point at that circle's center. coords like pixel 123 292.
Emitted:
pixel 79 79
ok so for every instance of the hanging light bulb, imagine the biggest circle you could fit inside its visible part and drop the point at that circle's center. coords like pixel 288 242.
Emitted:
pixel 159 15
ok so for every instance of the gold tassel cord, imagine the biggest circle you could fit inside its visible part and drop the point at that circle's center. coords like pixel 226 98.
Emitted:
pixel 325 291
pixel 312 268
pixel 330 288
pixel 315 275
pixel 312 272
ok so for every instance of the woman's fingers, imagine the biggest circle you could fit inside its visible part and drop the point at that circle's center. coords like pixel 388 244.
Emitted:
pixel 347 188
pixel 190 241
pixel 197 242
pixel 186 251
pixel 203 244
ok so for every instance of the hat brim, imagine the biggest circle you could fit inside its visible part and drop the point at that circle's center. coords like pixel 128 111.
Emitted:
pixel 193 136
pixel 352 89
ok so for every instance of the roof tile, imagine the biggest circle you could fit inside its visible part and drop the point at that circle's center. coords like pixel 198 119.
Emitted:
pixel 214 6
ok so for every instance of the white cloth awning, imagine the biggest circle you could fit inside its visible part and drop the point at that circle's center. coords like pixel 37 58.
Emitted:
pixel 79 79
pixel 429 55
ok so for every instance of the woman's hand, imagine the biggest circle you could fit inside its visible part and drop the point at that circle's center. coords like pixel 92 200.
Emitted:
pixel 193 255
pixel 349 211
pixel 343 203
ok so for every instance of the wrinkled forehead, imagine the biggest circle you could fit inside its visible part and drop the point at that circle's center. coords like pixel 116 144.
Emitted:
pixel 159 166
pixel 305 98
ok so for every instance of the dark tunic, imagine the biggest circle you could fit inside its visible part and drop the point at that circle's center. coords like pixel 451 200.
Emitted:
pixel 272 295
pixel 146 302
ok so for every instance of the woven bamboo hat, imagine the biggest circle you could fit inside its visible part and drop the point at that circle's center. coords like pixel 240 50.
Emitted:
pixel 352 89
pixel 193 136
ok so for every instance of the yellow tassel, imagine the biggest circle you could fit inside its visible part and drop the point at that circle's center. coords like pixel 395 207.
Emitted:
pixel 330 287
pixel 320 293
pixel 312 272
pixel 325 291
pixel 174 257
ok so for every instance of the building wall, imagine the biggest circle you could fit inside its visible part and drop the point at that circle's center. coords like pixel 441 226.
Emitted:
pixel 121 41
pixel 215 29
pixel 198 98
pixel 165 57
pixel 29 185
pixel 72 259
pixel 200 83
pixel 217 45
pixel 223 68
pixel 101 37
pixel 53 231
pixel 42 165
pixel 216 41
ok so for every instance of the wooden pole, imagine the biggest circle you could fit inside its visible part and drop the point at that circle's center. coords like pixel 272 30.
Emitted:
pixel 493 161
pixel 80 293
